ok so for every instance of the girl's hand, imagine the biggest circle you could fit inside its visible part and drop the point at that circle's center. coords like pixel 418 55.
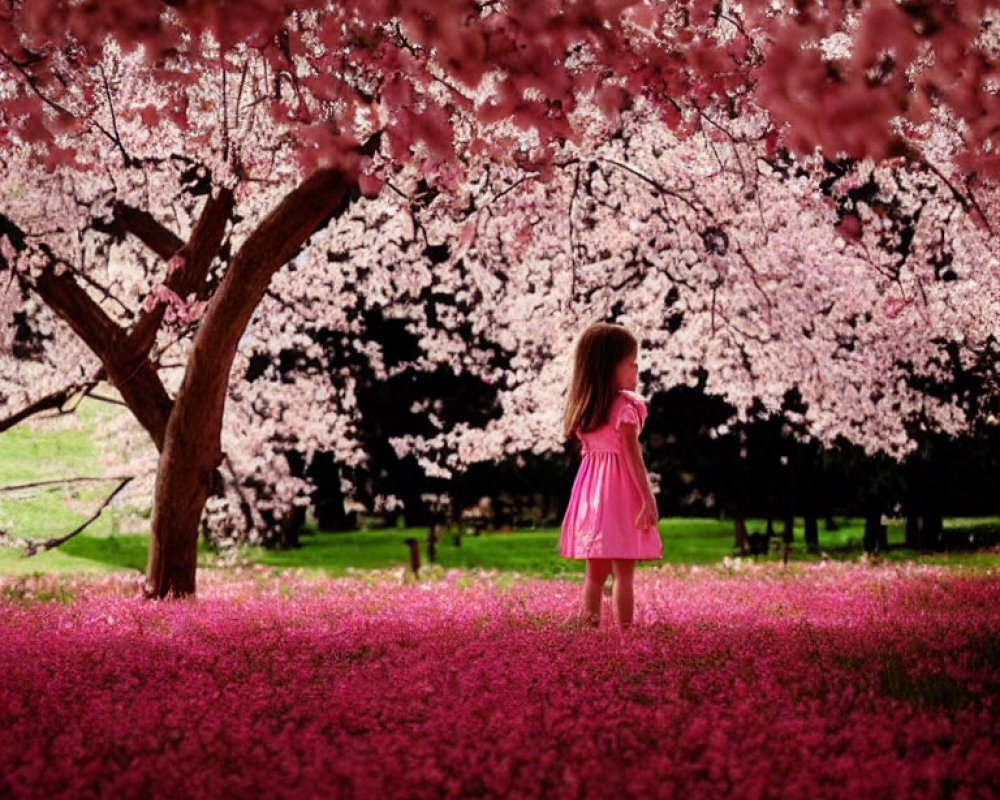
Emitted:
pixel 647 516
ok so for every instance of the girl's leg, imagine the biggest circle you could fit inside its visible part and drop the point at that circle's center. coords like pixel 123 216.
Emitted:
pixel 622 596
pixel 593 584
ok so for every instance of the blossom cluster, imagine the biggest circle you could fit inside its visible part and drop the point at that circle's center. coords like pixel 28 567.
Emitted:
pixel 832 680
pixel 690 232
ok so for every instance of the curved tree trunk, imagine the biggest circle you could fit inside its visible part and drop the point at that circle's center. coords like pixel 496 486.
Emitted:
pixel 192 445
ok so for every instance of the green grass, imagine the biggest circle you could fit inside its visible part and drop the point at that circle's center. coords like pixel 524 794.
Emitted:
pixel 532 552
pixel 60 449
pixel 685 541
pixel 54 447
pixel 65 448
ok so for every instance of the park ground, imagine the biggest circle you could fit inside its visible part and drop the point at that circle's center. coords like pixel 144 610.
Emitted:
pixel 70 447
pixel 832 680
pixel 331 671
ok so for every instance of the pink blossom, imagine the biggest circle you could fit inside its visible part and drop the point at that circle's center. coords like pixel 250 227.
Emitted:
pixel 892 307
pixel 743 680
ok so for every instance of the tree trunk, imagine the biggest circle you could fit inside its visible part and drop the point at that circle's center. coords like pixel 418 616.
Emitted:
pixel 788 533
pixel 192 446
pixel 811 533
pixel 327 498
pixel 183 479
pixel 742 543
pixel 875 540
pixel 932 530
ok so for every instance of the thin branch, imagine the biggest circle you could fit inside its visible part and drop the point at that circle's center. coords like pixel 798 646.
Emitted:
pixel 397 190
pixel 32 81
pixel 225 110
pixel 18 487
pixel 572 234
pixel 104 291
pixel 277 298
pixel 512 187
pixel 975 204
pixel 55 400
pixel 659 186
pixel 34 547
pixel 753 276
pixel 110 400
pixel 239 91
pixel 114 119
pixel 10 279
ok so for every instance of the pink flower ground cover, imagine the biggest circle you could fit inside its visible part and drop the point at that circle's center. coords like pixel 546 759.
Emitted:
pixel 819 682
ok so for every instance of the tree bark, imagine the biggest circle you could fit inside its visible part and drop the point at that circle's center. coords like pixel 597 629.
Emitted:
pixel 875 540
pixel 192 446
pixel 932 530
pixel 788 532
pixel 55 401
pixel 811 533
pixel 134 377
pixel 742 543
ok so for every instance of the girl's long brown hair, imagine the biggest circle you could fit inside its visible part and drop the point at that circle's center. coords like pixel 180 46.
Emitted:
pixel 601 348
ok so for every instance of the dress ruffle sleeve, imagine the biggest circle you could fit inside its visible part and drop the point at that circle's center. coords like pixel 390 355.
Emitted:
pixel 629 408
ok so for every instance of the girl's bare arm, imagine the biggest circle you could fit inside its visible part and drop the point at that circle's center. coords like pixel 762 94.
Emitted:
pixel 637 470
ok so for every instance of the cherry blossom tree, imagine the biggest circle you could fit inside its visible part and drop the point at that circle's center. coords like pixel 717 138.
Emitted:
pixel 747 275
pixel 299 108
pixel 740 267
pixel 206 146
pixel 868 79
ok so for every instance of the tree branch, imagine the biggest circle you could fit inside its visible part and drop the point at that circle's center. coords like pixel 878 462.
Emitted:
pixel 662 189
pixel 32 82
pixel 198 255
pixel 20 487
pixel 116 138
pixel 144 226
pixel 134 377
pixel 127 367
pixel 34 547
pixel 55 400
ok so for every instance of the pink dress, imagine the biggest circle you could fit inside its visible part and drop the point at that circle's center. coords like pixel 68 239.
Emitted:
pixel 600 518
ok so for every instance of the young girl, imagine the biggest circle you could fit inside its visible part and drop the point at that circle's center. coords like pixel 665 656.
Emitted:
pixel 611 517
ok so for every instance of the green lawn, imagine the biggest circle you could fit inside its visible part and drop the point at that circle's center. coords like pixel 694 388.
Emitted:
pixel 60 449
pixel 335 553
pixel 65 448
pixel 685 541
pixel 55 449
